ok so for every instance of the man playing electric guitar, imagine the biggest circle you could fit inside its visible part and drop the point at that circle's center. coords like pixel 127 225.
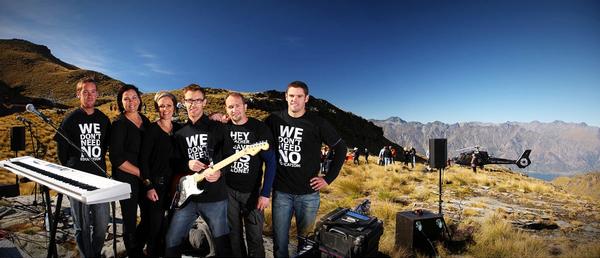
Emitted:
pixel 199 142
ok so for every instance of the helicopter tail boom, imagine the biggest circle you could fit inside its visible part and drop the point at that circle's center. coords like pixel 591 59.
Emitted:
pixel 524 160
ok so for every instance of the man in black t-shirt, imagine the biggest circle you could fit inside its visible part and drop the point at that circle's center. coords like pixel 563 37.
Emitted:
pixel 88 128
pixel 199 143
pixel 299 135
pixel 244 177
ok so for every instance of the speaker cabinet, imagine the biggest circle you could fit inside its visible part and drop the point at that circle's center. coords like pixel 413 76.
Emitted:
pixel 9 190
pixel 17 138
pixel 416 231
pixel 438 153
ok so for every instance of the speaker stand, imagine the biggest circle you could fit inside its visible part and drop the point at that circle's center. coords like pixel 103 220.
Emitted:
pixel 441 171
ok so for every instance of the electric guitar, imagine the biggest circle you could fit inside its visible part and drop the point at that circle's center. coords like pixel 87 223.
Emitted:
pixel 188 185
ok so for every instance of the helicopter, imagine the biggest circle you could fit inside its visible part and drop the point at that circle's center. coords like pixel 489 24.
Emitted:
pixel 483 158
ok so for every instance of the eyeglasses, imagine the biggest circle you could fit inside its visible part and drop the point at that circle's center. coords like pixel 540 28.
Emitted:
pixel 193 101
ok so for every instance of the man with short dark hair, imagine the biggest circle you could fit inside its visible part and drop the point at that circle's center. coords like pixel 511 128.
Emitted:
pixel 199 143
pixel 299 135
pixel 90 128
pixel 246 199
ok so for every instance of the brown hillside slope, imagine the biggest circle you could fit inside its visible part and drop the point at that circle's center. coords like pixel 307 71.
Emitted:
pixel 29 71
pixel 586 184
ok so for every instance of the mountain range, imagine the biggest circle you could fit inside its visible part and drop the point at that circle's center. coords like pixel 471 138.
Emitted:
pixel 557 147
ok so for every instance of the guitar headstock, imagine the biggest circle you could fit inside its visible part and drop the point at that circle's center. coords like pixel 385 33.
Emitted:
pixel 255 148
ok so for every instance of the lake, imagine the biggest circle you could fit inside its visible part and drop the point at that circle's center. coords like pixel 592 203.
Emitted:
pixel 543 176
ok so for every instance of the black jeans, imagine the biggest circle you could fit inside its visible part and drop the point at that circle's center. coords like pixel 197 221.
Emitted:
pixel 154 221
pixel 132 237
pixel 242 212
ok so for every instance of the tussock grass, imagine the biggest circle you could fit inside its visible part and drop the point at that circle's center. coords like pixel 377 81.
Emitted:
pixel 588 250
pixel 348 187
pixel 413 188
pixel 496 238
pixel 422 194
pixel 468 212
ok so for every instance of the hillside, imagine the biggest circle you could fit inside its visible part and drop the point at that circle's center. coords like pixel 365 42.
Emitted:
pixel 492 213
pixel 499 212
pixel 584 185
pixel 556 147
pixel 29 73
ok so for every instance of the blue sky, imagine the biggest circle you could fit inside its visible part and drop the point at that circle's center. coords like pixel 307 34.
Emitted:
pixel 450 61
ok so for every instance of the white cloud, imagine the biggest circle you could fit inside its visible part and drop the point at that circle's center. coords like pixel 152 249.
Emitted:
pixel 158 69
pixel 145 54
pixel 151 61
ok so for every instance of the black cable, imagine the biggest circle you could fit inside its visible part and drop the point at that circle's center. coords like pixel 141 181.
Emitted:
pixel 430 244
pixel 14 238
pixel 447 231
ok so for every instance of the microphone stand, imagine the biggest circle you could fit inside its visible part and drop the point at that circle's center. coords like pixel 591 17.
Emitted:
pixel 35 154
pixel 54 224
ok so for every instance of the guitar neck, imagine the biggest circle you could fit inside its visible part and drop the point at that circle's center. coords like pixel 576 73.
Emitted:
pixel 200 176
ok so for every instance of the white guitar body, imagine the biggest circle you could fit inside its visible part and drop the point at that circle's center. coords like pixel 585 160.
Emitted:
pixel 188 185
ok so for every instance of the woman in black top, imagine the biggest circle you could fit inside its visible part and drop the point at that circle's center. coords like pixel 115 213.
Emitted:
pixel 125 143
pixel 156 163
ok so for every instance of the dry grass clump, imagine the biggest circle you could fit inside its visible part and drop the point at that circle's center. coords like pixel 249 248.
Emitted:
pixel 582 185
pixel 591 250
pixel 347 186
pixel 468 212
pixel 422 194
pixel 386 211
pixel 497 238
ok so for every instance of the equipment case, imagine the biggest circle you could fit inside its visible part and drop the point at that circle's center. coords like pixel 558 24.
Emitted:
pixel 346 233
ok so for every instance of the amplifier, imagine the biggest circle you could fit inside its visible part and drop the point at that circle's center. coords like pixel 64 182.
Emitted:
pixel 417 230
pixel 347 233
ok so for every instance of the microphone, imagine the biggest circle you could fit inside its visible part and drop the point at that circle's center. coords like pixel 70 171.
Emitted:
pixel 24 120
pixel 32 109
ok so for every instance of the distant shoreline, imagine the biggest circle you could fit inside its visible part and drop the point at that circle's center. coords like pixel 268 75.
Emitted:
pixel 544 176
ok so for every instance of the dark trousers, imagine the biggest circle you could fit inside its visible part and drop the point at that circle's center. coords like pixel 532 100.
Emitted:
pixel 242 214
pixel 154 222
pixel 132 236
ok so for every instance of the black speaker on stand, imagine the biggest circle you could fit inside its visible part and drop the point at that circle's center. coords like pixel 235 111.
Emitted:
pixel 17 139
pixel 17 143
pixel 415 230
pixel 438 154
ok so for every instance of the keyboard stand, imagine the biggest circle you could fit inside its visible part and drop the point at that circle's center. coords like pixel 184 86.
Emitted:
pixel 52 221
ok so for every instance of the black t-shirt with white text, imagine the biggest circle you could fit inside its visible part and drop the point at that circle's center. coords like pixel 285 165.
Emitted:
pixel 202 141
pixel 245 174
pixel 299 149
pixel 91 134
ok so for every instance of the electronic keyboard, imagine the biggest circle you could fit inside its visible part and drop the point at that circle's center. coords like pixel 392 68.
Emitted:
pixel 85 187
